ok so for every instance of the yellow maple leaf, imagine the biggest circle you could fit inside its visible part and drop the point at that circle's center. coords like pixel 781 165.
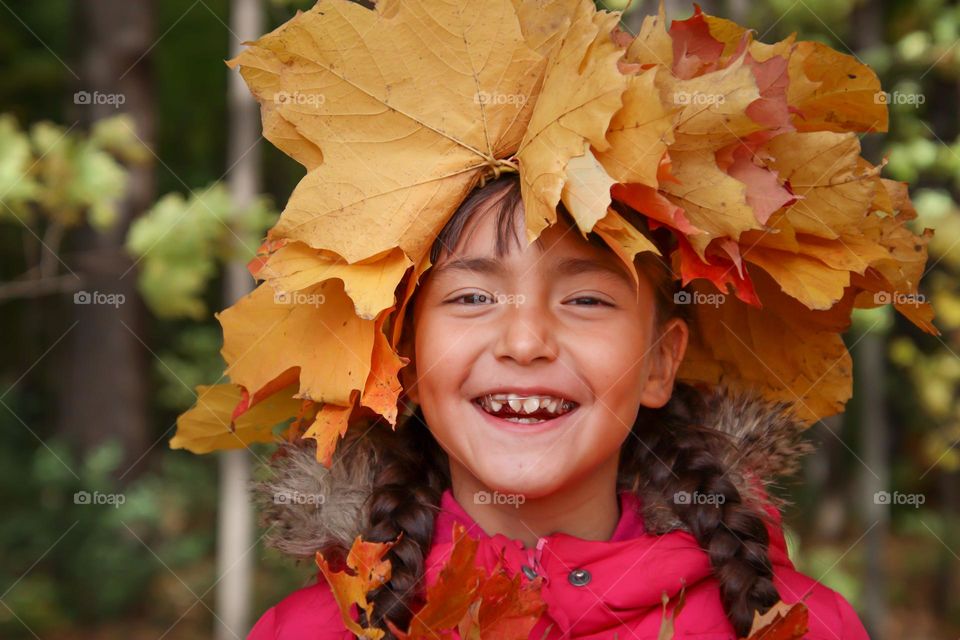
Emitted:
pixel 315 329
pixel 834 91
pixel 422 128
pixel 639 132
pixel 582 89
pixel 823 169
pixel 370 283
pixel 207 426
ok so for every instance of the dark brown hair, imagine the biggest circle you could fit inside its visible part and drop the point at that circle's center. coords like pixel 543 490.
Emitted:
pixel 668 451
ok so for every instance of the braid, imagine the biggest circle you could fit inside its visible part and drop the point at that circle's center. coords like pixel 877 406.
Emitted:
pixel 673 453
pixel 413 474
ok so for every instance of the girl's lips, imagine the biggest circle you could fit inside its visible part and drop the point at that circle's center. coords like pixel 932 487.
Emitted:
pixel 528 428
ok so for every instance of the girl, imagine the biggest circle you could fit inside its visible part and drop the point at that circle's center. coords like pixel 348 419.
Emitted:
pixel 545 416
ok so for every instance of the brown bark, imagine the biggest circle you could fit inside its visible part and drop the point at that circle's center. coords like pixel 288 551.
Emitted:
pixel 103 389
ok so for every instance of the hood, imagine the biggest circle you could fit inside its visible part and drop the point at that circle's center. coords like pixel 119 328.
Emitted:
pixel 307 507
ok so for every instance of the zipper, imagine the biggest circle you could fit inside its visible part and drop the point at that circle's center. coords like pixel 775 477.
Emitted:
pixel 534 555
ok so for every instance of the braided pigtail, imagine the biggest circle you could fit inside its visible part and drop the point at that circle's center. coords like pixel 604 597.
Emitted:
pixel 412 475
pixel 671 461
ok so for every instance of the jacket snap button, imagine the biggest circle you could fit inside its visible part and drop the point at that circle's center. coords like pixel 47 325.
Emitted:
pixel 529 572
pixel 579 577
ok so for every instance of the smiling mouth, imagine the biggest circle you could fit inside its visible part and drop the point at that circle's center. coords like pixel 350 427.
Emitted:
pixel 524 409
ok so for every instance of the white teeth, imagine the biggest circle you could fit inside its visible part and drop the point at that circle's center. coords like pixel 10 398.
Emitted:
pixel 525 404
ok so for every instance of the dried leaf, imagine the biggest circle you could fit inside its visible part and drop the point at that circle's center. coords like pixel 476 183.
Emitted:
pixel 415 158
pixel 264 334
pixel 582 89
pixel 780 622
pixel 208 426
pixel 367 571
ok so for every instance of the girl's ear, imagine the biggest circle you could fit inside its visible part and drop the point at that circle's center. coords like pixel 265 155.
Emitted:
pixel 667 356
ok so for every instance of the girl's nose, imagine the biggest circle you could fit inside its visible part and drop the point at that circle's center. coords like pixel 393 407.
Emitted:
pixel 527 333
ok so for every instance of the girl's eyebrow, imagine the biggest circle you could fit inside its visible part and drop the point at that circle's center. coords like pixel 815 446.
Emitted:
pixel 568 266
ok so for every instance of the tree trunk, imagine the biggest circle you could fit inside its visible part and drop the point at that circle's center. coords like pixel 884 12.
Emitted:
pixel 235 535
pixel 103 394
pixel 875 426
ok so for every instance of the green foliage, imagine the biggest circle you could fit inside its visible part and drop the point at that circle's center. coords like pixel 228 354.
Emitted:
pixel 71 560
pixel 181 242
pixel 64 175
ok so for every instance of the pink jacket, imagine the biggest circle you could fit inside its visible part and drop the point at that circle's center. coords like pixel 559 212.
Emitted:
pixel 622 598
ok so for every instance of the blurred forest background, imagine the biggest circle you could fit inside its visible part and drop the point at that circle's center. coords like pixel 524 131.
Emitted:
pixel 133 187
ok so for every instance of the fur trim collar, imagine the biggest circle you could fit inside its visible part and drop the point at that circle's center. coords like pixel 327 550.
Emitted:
pixel 307 507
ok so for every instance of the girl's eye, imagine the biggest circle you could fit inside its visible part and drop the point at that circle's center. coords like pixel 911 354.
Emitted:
pixel 592 302
pixel 474 298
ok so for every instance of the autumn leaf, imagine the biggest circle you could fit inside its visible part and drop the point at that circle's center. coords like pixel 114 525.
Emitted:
pixel 780 622
pixel 366 570
pixel 382 390
pixel 624 239
pixel 261 69
pixel 477 604
pixel 784 351
pixel 397 152
pixel 208 426
pixel 822 169
pixel 586 194
pixel 639 133
pixel 582 89
pixel 370 283
pixel 328 426
pixel 718 269
pixel 668 622
pixel 712 200
pixel 833 91
pixel 316 330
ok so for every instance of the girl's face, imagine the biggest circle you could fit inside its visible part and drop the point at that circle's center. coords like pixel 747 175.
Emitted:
pixel 559 318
